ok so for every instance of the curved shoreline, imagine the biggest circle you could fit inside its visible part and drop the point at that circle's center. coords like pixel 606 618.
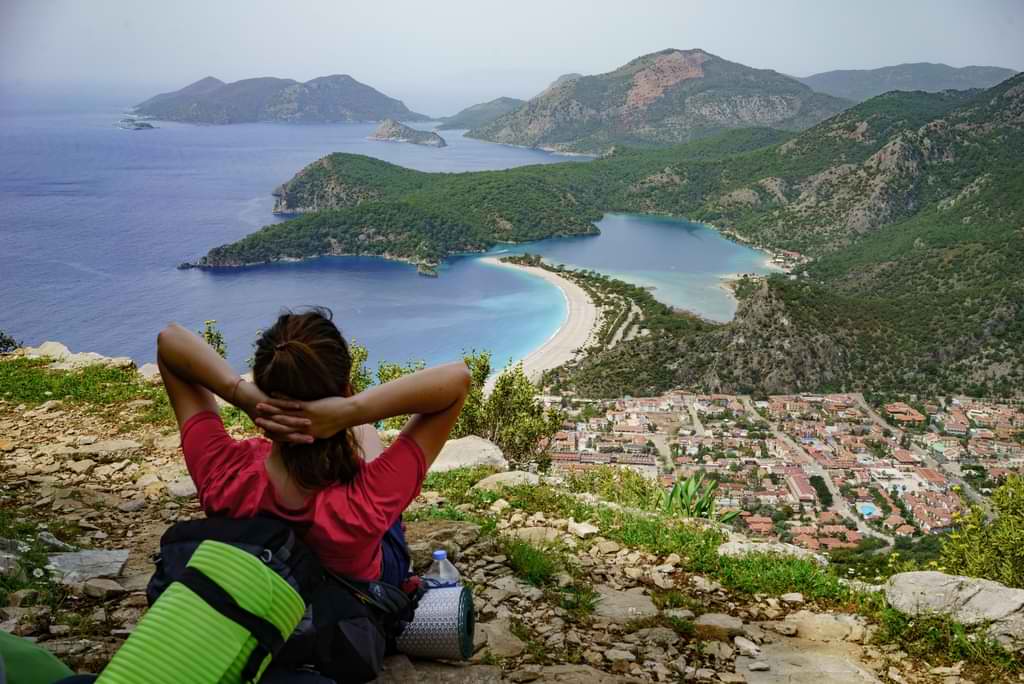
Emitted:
pixel 576 330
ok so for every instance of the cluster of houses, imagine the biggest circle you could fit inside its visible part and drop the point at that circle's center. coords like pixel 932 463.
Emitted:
pixel 776 459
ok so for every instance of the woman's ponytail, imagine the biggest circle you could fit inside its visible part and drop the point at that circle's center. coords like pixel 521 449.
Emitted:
pixel 304 356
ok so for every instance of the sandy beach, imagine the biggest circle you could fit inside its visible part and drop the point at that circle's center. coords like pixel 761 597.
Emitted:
pixel 574 333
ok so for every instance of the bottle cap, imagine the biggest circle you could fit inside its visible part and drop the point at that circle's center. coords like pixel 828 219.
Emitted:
pixel 440 554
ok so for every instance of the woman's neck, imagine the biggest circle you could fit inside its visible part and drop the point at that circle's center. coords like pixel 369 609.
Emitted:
pixel 288 492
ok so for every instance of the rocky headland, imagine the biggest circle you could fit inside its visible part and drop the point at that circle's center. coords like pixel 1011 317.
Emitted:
pixel 567 587
pixel 395 131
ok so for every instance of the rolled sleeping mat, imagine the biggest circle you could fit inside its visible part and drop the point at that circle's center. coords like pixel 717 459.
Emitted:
pixel 219 624
pixel 443 626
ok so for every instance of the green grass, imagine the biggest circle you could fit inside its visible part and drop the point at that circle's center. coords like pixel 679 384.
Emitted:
pixel 536 565
pixel 28 381
pixel 944 642
pixel 698 547
pixel 673 598
pixel 579 600
pixel 487 523
pixel 618 485
pixel 455 485
pixel 775 575
pixel 32 574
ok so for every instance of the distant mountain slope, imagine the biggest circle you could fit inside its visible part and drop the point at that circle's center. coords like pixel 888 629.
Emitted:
pixel 861 84
pixel 659 99
pixel 481 114
pixel 327 99
pixel 913 204
pixel 564 78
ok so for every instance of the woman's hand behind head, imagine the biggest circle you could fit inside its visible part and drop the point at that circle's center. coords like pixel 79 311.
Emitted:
pixel 301 421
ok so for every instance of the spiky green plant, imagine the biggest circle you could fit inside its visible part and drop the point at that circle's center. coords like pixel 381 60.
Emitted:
pixel 692 498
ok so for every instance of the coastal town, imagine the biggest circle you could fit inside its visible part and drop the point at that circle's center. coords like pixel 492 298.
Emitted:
pixel 822 471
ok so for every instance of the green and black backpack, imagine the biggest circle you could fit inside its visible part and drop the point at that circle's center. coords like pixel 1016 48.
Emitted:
pixel 235 594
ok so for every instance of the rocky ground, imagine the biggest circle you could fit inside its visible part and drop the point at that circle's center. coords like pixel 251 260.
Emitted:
pixel 87 493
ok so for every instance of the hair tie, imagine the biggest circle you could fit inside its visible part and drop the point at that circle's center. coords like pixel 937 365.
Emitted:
pixel 281 346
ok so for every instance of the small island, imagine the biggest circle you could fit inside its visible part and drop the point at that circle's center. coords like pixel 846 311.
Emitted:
pixel 135 125
pixel 394 131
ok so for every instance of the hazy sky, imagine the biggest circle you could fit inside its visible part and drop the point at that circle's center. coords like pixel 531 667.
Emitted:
pixel 442 55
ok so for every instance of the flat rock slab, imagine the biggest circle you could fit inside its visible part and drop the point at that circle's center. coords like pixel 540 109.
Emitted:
pixel 967 600
pixel 537 535
pixel 82 566
pixel 799 661
pixel 826 626
pixel 623 606
pixel 182 488
pixel 514 478
pixel 426 536
pixel 469 452
pixel 718 626
pixel 440 673
pixel 99 452
pixel 576 674
pixel 738 549
pixel 499 639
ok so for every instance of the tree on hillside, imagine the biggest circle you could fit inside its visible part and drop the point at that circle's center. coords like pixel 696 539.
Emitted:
pixel 992 549
pixel 8 343
pixel 512 416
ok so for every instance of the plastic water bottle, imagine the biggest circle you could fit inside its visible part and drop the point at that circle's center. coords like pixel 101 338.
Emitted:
pixel 442 573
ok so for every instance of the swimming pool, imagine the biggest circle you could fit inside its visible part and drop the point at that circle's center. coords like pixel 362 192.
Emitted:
pixel 867 510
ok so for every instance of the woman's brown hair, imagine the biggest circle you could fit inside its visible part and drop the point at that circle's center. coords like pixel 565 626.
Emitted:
pixel 304 356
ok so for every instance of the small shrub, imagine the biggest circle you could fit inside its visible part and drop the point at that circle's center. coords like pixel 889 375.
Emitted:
pixel 618 485
pixel 942 641
pixel 8 343
pixel 212 335
pixel 579 599
pixel 673 598
pixel 991 549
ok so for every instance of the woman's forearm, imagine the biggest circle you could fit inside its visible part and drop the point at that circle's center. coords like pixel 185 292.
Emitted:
pixel 186 355
pixel 428 391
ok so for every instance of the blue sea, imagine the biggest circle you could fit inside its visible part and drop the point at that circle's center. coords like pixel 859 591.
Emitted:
pixel 95 219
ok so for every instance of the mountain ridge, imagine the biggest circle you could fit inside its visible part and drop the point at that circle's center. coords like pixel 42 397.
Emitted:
pixel 667 97
pixel 863 84
pixel 327 99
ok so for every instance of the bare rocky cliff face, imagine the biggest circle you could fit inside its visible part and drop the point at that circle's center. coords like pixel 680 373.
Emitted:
pixel 663 98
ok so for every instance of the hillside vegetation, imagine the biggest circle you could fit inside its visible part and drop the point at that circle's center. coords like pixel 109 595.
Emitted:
pixel 910 204
pixel 481 114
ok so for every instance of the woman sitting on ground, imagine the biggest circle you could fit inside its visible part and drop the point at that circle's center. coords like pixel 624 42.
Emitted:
pixel 324 468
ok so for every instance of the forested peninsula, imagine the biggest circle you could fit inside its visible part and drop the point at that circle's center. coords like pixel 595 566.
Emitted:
pixel 914 280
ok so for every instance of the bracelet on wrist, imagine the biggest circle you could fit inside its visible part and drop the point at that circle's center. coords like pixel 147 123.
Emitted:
pixel 234 390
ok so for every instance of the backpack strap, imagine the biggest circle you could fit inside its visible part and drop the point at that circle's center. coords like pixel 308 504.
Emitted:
pixel 268 638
